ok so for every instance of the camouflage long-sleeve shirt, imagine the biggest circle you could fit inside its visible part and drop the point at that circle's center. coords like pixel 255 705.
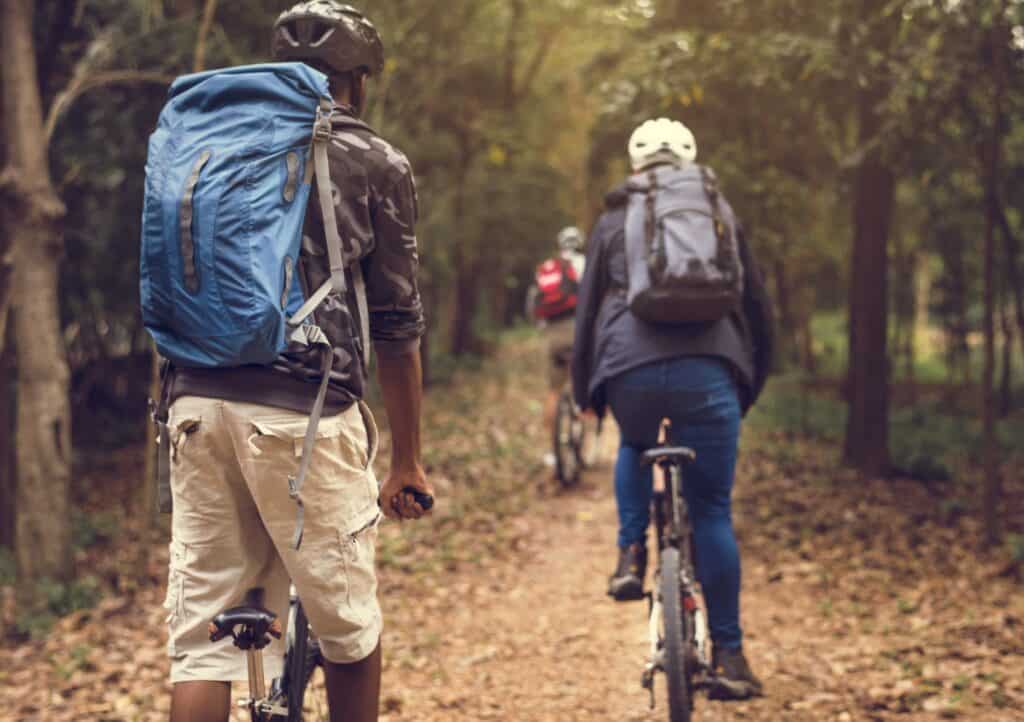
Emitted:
pixel 374 194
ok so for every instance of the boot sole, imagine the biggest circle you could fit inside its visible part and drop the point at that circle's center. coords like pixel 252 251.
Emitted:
pixel 629 591
pixel 721 689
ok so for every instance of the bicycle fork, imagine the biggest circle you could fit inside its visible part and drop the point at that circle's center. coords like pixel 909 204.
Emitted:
pixel 654 661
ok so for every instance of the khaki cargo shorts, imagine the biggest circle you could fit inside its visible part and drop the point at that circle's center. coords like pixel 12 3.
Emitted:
pixel 233 524
pixel 559 335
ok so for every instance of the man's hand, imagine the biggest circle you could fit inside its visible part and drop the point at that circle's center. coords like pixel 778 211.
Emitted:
pixel 395 502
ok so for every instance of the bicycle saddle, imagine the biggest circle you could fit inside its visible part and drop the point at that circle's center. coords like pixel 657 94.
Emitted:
pixel 669 455
pixel 249 627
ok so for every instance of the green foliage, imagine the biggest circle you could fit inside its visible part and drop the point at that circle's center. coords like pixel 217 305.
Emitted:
pixel 90 529
pixel 928 442
pixel 788 406
pixel 516 115
pixel 77 660
pixel 1015 543
pixel 48 600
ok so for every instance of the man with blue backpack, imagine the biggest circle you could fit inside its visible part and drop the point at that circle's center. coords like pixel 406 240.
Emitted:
pixel 278 247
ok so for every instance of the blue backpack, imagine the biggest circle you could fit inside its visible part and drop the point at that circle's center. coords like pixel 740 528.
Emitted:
pixel 228 180
pixel 227 185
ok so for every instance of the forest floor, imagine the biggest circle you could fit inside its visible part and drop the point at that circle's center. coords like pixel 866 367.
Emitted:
pixel 862 600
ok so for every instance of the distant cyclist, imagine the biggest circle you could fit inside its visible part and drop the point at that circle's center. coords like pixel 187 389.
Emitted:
pixel 674 322
pixel 556 284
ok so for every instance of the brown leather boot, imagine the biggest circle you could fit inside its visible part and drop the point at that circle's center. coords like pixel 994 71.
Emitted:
pixel 627 583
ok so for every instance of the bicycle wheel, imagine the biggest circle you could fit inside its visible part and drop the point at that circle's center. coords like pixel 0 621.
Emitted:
pixel 674 637
pixel 301 660
pixel 566 442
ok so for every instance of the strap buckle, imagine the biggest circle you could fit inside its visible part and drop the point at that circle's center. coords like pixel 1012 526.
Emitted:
pixel 294 492
pixel 322 125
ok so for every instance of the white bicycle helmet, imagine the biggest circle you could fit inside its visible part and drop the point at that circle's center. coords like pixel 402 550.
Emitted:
pixel 570 239
pixel 661 141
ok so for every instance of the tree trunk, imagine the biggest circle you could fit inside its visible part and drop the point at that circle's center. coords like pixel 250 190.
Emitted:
pixel 1013 275
pixel 467 290
pixel 786 323
pixel 8 488
pixel 990 168
pixel 1006 379
pixel 867 429
pixel 33 215
pixel 463 335
pixel 6 247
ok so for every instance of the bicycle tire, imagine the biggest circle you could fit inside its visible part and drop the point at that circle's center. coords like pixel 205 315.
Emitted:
pixel 300 661
pixel 677 673
pixel 565 446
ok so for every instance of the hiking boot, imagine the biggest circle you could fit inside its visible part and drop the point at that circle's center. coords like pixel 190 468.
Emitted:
pixel 732 678
pixel 627 583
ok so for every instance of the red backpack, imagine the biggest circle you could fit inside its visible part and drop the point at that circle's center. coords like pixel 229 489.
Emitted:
pixel 558 288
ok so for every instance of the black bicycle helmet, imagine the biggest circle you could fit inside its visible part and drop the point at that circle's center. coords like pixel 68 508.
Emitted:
pixel 336 35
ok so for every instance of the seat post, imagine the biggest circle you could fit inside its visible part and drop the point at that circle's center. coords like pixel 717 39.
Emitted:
pixel 257 682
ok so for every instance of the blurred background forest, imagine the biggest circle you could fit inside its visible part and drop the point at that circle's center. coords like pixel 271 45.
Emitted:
pixel 874 149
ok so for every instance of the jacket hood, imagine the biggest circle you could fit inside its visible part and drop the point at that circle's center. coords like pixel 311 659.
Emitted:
pixel 617 196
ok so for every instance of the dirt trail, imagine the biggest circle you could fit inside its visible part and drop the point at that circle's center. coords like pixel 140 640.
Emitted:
pixel 535 638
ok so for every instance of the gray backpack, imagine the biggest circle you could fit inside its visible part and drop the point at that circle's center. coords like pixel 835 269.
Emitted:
pixel 683 263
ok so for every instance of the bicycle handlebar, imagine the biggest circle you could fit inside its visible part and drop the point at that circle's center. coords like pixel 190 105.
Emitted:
pixel 426 501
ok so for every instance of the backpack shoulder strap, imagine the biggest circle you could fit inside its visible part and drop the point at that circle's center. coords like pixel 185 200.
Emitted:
pixel 336 283
pixel 322 169
pixel 342 122
pixel 723 234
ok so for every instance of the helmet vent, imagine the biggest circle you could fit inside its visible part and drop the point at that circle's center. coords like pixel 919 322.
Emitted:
pixel 321 34
pixel 290 34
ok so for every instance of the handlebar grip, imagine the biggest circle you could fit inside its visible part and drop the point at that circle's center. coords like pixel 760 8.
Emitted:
pixel 216 633
pixel 426 501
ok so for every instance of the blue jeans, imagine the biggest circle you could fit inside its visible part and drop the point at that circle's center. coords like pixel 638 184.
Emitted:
pixel 699 396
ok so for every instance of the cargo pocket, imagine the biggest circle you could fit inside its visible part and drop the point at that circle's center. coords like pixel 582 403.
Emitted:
pixel 335 493
pixel 290 431
pixel 183 431
pixel 358 549
pixel 174 602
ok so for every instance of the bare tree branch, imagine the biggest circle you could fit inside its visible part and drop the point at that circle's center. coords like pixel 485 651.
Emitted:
pixel 80 86
pixel 537 62
pixel 209 11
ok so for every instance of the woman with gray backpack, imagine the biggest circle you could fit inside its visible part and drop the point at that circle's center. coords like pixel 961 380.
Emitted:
pixel 674 322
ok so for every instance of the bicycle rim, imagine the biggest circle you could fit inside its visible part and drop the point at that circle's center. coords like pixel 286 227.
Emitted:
pixel 674 635
pixel 567 466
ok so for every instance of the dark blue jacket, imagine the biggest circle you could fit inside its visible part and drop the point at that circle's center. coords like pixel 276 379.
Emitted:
pixel 610 340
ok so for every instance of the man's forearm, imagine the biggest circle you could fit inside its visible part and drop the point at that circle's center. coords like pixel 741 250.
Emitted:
pixel 401 381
